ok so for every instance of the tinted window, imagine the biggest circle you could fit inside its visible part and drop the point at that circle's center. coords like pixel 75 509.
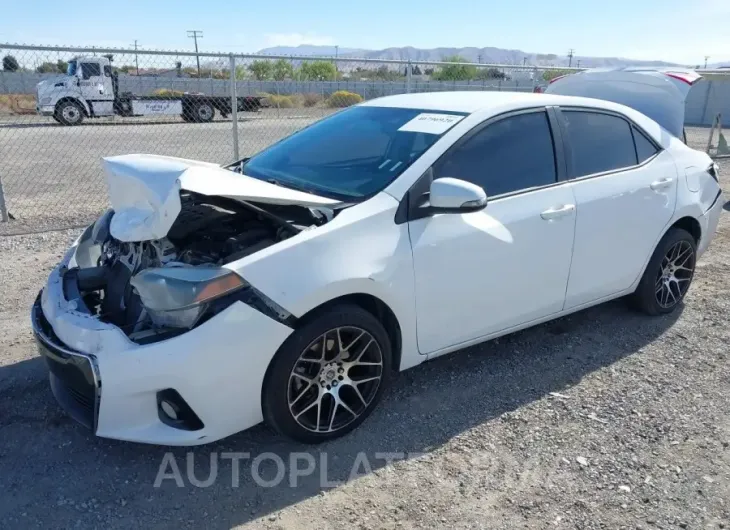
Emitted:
pixel 90 70
pixel 644 148
pixel 513 154
pixel 349 155
pixel 600 142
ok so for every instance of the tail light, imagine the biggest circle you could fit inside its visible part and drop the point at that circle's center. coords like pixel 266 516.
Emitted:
pixel 556 78
pixel 714 171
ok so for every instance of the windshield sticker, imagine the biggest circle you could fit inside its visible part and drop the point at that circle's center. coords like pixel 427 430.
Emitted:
pixel 431 123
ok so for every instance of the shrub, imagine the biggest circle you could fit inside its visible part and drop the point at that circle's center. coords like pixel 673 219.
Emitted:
pixel 17 104
pixel 311 99
pixel 168 93
pixel 343 98
pixel 10 64
pixel 282 102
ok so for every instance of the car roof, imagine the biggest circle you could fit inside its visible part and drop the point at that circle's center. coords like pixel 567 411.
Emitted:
pixel 478 100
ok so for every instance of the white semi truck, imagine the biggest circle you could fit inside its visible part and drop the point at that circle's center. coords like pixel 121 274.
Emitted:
pixel 90 89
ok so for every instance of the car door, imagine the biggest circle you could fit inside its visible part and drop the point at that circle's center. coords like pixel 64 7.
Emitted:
pixel 483 272
pixel 625 189
pixel 92 81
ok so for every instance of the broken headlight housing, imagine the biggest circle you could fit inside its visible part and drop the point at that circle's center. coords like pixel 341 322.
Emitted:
pixel 177 297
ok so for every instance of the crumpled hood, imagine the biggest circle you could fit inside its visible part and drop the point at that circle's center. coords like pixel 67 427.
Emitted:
pixel 144 191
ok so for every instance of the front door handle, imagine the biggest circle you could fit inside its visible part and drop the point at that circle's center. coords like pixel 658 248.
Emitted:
pixel 558 211
pixel 662 184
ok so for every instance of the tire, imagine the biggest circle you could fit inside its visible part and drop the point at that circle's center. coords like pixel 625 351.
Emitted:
pixel 203 112
pixel 668 274
pixel 69 113
pixel 309 377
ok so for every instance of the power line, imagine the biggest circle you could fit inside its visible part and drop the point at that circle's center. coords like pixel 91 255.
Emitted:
pixel 571 53
pixel 195 34
pixel 136 59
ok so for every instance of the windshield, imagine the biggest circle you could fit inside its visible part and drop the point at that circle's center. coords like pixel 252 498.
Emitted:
pixel 71 70
pixel 352 154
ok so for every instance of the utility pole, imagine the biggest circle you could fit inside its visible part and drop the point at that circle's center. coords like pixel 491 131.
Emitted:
pixel 706 57
pixel 479 58
pixel 570 57
pixel 578 63
pixel 524 61
pixel 195 34
pixel 136 60
pixel 337 54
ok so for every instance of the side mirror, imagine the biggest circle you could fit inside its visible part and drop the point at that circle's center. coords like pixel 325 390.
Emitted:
pixel 449 195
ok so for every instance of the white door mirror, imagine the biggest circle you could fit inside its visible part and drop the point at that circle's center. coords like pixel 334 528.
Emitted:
pixel 451 195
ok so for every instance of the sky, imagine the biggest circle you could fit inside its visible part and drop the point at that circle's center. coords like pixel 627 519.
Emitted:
pixel 682 31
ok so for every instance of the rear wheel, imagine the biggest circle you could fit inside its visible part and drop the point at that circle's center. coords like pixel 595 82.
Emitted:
pixel 69 113
pixel 328 376
pixel 669 273
pixel 203 112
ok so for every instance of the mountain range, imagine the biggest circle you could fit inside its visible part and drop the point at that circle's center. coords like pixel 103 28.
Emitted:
pixel 488 55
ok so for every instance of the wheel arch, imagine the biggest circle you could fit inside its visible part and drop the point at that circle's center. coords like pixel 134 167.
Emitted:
pixel 78 101
pixel 686 222
pixel 376 307
pixel 691 225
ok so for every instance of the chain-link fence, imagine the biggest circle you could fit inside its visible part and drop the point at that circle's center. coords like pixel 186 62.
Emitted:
pixel 63 109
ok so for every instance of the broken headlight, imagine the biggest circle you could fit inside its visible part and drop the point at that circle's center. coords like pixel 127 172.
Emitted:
pixel 178 296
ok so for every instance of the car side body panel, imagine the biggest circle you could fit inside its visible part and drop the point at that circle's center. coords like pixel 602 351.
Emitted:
pixel 361 251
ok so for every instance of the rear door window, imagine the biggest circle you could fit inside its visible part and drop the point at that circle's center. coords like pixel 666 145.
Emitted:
pixel 645 149
pixel 599 142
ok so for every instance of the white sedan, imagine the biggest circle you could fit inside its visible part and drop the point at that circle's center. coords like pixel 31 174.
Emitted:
pixel 288 287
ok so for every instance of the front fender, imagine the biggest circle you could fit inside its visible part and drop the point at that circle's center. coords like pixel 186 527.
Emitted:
pixel 361 251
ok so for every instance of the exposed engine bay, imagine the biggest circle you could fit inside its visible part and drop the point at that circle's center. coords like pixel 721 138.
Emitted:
pixel 209 232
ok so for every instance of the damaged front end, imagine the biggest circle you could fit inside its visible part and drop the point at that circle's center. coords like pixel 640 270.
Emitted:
pixel 159 288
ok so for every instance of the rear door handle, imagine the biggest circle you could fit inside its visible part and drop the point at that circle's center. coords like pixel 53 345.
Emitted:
pixel 558 211
pixel 662 184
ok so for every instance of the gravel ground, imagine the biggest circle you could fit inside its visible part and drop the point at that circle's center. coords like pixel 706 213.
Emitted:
pixel 604 419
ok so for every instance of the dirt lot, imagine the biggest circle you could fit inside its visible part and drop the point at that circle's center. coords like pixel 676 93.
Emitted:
pixel 604 419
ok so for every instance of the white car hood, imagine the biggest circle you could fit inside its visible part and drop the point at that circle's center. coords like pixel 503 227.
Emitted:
pixel 144 191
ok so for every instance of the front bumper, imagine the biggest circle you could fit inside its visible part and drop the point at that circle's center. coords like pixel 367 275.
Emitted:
pixel 45 110
pixel 111 384
pixel 74 376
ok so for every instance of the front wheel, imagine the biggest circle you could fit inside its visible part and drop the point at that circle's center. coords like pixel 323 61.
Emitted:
pixel 328 376
pixel 669 273
pixel 69 113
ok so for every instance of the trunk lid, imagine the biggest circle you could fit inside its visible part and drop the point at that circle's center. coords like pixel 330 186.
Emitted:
pixel 658 93
pixel 144 191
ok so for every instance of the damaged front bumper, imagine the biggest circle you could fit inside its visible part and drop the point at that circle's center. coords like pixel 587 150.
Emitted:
pixel 117 387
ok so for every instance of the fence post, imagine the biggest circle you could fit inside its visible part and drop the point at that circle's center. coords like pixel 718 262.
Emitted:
pixel 534 78
pixel 234 106
pixel 3 207
pixel 409 73
pixel 707 102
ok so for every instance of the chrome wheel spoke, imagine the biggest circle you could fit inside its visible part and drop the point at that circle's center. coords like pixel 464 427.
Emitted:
pixel 332 372
pixel 669 288
pixel 367 380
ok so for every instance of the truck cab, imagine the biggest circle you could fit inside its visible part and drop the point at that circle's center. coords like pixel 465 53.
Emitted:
pixel 86 90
